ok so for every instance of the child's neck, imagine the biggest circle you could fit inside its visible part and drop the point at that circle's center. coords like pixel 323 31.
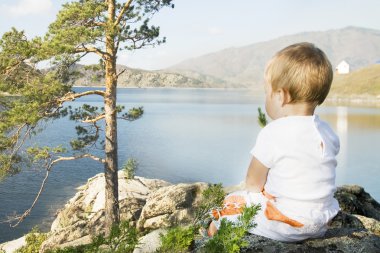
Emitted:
pixel 298 109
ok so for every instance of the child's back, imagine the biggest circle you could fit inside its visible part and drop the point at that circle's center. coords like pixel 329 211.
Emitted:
pixel 292 172
pixel 301 175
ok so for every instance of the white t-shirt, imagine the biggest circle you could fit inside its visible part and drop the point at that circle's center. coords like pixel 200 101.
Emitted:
pixel 300 153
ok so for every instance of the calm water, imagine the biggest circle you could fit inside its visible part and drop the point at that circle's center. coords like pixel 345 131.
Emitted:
pixel 185 136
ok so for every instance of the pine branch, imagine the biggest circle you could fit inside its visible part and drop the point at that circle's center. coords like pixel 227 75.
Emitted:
pixel 90 49
pixel 70 158
pixel 71 96
pixel 44 181
pixel 121 72
pixel 17 134
pixel 28 211
pixel 93 120
pixel 262 119
pixel 123 10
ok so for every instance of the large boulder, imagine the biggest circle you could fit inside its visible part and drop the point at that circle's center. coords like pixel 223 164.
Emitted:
pixel 353 199
pixel 171 205
pixel 83 215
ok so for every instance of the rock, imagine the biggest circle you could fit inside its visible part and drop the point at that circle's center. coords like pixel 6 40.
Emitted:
pixel 12 246
pixel 171 205
pixel 83 215
pixel 345 235
pixel 350 231
pixel 150 242
pixel 81 241
pixel 155 204
pixel 353 199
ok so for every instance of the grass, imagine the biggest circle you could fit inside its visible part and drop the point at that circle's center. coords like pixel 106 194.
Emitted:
pixel 362 82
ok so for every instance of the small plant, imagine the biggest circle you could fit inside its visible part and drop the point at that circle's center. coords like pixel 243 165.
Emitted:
pixel 230 236
pixel 123 239
pixel 177 239
pixel 34 240
pixel 262 119
pixel 212 198
pixel 130 168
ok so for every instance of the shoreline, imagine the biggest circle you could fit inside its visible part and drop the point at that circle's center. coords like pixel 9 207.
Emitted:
pixel 334 100
pixel 171 88
pixel 369 102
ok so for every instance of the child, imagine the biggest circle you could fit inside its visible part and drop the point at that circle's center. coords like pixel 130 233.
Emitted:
pixel 292 172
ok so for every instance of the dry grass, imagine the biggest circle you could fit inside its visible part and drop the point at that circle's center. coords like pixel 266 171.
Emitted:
pixel 363 82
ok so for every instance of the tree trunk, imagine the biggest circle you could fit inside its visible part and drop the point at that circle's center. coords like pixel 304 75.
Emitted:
pixel 111 158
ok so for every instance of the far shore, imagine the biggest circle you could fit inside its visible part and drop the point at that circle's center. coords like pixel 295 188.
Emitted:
pixel 333 100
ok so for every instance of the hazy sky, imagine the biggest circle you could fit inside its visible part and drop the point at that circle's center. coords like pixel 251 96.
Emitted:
pixel 197 27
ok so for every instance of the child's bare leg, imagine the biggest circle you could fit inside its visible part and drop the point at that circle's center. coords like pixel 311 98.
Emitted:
pixel 212 230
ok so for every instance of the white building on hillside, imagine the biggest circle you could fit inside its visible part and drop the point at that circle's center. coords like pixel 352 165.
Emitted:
pixel 343 68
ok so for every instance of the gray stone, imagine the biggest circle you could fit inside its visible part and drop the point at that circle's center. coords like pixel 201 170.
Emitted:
pixel 171 205
pixel 12 246
pixel 83 215
pixel 155 204
pixel 150 242
pixel 353 199
pixel 350 231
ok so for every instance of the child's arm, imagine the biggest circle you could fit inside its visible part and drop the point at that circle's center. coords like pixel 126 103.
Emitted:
pixel 256 176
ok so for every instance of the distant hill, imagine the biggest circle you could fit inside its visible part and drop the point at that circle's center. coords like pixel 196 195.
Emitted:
pixel 244 66
pixel 360 83
pixel 90 75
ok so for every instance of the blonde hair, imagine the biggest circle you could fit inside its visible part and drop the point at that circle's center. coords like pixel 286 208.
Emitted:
pixel 303 71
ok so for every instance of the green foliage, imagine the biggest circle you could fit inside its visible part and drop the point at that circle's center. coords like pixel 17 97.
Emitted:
pixel 177 239
pixel 130 168
pixel 34 240
pixel 230 236
pixel 134 113
pixel 212 198
pixel 85 23
pixel 42 153
pixel 123 239
pixel 262 119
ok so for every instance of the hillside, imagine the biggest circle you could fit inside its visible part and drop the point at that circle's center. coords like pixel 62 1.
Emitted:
pixel 90 75
pixel 244 66
pixel 362 82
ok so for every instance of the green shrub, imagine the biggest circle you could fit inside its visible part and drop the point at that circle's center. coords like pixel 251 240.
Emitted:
pixel 130 168
pixel 262 119
pixel 212 198
pixel 34 240
pixel 177 239
pixel 230 236
pixel 123 239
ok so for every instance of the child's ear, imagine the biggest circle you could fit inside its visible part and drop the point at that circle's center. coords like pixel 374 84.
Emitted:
pixel 283 96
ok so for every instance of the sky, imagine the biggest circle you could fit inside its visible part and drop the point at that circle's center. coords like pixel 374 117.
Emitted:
pixel 197 27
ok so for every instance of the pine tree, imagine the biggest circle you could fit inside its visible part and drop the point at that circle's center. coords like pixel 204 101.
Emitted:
pixel 30 96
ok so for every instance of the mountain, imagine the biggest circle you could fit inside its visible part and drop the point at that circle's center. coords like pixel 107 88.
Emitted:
pixel 91 75
pixel 244 66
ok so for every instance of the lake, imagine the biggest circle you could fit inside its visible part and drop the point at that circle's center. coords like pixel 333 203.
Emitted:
pixel 185 135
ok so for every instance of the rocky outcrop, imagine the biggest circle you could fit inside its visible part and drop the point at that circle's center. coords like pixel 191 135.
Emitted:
pixel 346 234
pixel 171 205
pixel 148 203
pixel 153 205
pixel 350 231
pixel 83 215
